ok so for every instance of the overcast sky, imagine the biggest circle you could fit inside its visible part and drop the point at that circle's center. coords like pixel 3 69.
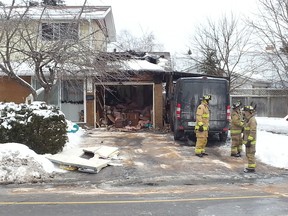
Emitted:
pixel 171 22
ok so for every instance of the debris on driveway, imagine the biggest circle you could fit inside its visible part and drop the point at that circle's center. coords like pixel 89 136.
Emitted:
pixel 90 159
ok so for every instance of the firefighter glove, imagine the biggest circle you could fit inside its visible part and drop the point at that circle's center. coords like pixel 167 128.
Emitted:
pixel 201 129
pixel 250 138
pixel 248 144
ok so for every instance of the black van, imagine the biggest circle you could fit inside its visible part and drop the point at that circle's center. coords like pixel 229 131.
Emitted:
pixel 185 99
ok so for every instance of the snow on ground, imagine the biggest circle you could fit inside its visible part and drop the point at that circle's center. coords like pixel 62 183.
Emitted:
pixel 272 149
pixel 19 164
pixel 272 141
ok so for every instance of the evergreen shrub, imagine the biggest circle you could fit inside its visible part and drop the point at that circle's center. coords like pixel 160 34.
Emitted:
pixel 43 128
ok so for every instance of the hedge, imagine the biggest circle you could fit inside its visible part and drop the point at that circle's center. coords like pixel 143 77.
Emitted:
pixel 41 127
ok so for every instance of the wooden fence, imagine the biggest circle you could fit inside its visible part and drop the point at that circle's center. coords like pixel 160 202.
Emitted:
pixel 270 102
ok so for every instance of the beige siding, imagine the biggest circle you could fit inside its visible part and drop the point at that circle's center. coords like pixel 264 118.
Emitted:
pixel 98 39
pixel 158 106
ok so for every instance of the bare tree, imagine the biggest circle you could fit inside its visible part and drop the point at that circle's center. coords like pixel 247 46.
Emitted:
pixel 9 40
pixel 222 49
pixel 145 43
pixel 272 28
pixel 55 52
pixel 52 2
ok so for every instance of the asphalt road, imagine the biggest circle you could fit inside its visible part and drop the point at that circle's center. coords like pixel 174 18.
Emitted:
pixel 208 200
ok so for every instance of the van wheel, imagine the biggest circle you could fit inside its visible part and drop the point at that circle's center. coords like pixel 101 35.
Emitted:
pixel 192 137
pixel 178 134
pixel 171 125
pixel 223 136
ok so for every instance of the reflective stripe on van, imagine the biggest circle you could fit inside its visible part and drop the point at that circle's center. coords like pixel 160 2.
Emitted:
pixel 228 113
pixel 178 111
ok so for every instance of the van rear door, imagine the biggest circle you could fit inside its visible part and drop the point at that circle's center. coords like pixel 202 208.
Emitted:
pixel 188 96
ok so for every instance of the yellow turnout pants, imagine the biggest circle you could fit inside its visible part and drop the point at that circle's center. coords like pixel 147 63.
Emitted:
pixel 201 142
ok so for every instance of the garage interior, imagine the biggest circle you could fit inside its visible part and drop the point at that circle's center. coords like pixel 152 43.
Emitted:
pixel 124 105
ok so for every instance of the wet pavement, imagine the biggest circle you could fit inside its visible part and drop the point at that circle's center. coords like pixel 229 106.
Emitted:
pixel 153 158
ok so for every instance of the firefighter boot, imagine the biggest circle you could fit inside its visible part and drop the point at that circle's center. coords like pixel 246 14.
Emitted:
pixel 249 170
pixel 236 155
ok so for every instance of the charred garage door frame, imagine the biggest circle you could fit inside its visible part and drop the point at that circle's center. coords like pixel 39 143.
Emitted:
pixel 135 95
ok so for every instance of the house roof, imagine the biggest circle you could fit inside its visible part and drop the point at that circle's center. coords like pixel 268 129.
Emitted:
pixel 147 63
pixel 142 61
pixel 61 13
pixel 140 65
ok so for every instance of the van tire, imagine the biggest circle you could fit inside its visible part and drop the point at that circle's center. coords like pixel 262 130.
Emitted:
pixel 178 134
pixel 172 127
pixel 171 124
pixel 223 136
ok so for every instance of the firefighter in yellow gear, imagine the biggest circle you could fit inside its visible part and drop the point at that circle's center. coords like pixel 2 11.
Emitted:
pixel 236 129
pixel 249 137
pixel 202 125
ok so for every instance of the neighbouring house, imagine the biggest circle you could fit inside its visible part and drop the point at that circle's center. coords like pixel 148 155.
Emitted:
pixel 260 78
pixel 266 87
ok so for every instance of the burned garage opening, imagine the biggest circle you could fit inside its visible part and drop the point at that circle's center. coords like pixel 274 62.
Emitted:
pixel 124 105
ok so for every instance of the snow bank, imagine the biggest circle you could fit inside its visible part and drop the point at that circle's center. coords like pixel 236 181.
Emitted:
pixel 19 164
pixel 272 149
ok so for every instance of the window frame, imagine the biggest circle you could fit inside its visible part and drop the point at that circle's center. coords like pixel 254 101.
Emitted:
pixel 57 31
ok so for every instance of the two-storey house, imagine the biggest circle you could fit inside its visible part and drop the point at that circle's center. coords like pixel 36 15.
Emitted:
pixel 68 43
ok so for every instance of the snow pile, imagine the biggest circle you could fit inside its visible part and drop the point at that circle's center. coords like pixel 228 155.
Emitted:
pixel 19 164
pixel 272 141
pixel 74 138
pixel 272 148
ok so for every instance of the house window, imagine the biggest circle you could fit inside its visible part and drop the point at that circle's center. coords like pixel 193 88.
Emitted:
pixel 72 100
pixel 59 31
pixel 72 91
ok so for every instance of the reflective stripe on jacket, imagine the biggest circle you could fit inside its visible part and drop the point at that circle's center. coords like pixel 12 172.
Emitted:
pixel 250 129
pixel 202 116
pixel 236 122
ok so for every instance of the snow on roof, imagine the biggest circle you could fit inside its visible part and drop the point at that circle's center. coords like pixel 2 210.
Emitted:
pixel 25 69
pixel 140 65
pixel 21 69
pixel 138 61
pixel 61 13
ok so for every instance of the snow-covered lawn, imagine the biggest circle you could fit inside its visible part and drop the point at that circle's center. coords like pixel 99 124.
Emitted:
pixel 272 141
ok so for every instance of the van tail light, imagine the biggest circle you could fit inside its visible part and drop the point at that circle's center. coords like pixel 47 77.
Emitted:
pixel 228 113
pixel 178 111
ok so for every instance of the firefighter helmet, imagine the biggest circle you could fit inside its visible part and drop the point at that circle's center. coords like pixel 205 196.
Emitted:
pixel 207 97
pixel 249 108
pixel 236 105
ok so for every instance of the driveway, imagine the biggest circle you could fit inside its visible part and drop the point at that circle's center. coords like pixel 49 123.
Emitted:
pixel 153 158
